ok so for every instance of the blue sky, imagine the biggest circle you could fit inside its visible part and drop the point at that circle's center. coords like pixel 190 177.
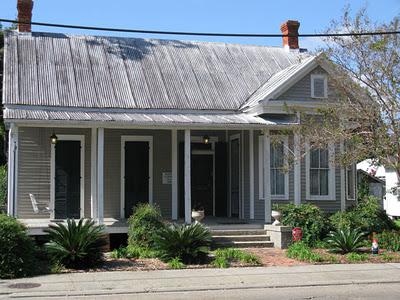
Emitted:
pixel 247 16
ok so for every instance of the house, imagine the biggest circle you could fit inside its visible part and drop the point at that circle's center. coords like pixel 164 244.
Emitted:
pixel 99 124
pixel 375 185
pixel 391 200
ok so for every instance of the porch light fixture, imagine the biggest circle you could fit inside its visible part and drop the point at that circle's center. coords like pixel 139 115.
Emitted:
pixel 206 139
pixel 53 139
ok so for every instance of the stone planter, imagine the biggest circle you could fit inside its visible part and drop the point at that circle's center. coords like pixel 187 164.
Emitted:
pixel 198 215
pixel 277 217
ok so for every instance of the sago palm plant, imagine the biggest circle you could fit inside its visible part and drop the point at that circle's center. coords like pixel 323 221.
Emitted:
pixel 345 240
pixel 189 243
pixel 76 244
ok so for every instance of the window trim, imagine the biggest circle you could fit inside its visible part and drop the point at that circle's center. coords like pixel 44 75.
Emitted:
pixel 332 174
pixel 319 76
pixel 353 169
pixel 285 140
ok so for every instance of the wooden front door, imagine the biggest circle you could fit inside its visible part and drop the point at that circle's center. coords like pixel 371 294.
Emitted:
pixel 136 174
pixel 202 182
pixel 67 180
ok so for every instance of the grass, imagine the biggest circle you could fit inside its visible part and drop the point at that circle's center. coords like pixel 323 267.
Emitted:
pixel 354 257
pixel 226 256
pixel 133 252
pixel 176 263
pixel 302 252
pixel 388 257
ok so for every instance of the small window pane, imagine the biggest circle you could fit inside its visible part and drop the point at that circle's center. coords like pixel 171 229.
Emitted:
pixel 350 183
pixel 314 182
pixel 314 156
pixel 273 182
pixel 324 174
pixel 324 158
pixel 280 183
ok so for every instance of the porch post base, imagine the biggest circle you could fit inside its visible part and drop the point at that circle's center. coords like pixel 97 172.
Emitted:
pixel 280 235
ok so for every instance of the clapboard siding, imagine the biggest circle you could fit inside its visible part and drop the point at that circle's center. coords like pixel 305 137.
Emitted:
pixel 34 155
pixel 112 169
pixel 302 89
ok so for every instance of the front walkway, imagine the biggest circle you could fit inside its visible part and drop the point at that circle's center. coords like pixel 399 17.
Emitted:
pixel 216 283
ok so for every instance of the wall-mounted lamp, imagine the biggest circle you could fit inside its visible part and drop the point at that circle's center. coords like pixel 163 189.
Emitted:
pixel 206 139
pixel 53 139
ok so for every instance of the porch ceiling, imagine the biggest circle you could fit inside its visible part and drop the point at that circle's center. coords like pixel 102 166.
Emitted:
pixel 134 118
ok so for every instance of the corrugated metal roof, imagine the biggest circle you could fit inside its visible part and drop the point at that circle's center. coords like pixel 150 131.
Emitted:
pixel 276 81
pixel 135 118
pixel 105 72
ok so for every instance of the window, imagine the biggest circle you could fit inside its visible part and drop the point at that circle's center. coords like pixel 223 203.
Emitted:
pixel 320 174
pixel 279 177
pixel 319 86
pixel 277 159
pixel 350 182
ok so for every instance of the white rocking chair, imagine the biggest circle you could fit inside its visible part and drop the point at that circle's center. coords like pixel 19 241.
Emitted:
pixel 38 208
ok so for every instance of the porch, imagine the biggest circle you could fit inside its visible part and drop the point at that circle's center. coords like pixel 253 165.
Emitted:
pixel 178 169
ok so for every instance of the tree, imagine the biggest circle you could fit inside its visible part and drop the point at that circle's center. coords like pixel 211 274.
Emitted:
pixel 364 71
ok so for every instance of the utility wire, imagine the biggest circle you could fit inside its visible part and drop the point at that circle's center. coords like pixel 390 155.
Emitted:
pixel 256 35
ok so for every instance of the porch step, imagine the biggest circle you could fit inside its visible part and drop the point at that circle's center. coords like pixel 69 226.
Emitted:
pixel 235 226
pixel 247 244
pixel 237 232
pixel 241 238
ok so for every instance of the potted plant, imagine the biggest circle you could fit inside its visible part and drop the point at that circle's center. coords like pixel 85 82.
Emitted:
pixel 198 212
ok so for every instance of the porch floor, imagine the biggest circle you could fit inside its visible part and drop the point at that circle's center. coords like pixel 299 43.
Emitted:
pixel 36 226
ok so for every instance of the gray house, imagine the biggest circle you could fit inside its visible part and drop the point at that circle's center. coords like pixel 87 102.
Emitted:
pixel 99 124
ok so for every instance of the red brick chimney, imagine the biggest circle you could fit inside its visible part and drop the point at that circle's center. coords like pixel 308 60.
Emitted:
pixel 290 28
pixel 24 14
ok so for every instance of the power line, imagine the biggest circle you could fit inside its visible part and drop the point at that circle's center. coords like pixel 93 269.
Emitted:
pixel 255 35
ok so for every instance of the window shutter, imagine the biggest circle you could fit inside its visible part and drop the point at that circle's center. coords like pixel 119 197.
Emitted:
pixel 319 87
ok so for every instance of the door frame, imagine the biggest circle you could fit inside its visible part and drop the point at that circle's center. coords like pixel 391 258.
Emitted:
pixel 135 138
pixel 212 141
pixel 67 137
pixel 231 138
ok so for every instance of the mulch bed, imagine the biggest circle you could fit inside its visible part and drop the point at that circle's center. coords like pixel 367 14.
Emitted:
pixel 270 257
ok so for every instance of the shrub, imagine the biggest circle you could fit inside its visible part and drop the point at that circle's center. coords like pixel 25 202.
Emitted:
pixel 133 251
pixel 367 216
pixel 308 217
pixel 224 257
pixel 176 263
pixel 76 245
pixel 119 253
pixel 356 257
pixel 144 225
pixel 389 240
pixel 3 188
pixel 189 243
pixel 17 249
pixel 345 240
pixel 301 251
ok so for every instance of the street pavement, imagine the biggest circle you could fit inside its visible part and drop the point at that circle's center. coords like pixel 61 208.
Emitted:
pixel 355 281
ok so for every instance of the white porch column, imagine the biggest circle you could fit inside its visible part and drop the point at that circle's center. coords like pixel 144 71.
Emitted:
pixel 12 170
pixel 100 175
pixel 188 191
pixel 342 181
pixel 251 172
pixel 93 174
pixel 174 173
pixel 267 177
pixel 297 169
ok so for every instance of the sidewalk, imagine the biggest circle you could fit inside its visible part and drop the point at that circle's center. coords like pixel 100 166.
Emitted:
pixel 118 284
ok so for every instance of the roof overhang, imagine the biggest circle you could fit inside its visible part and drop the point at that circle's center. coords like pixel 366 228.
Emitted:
pixel 41 116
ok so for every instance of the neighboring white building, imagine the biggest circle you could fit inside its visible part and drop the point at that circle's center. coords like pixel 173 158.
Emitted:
pixel 391 202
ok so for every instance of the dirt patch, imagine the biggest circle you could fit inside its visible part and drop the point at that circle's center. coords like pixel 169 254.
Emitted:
pixel 271 257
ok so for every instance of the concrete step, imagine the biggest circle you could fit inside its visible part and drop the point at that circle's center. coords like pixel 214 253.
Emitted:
pixel 238 238
pixel 246 244
pixel 234 226
pixel 235 232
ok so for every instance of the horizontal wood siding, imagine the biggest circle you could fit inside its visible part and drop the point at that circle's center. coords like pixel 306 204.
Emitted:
pixel 112 169
pixel 34 155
